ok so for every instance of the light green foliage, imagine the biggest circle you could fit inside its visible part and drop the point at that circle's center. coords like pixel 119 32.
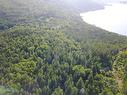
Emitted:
pixel 58 91
pixel 78 69
pixel 106 91
pixel 7 91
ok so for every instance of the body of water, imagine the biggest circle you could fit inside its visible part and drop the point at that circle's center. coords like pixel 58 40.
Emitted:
pixel 112 18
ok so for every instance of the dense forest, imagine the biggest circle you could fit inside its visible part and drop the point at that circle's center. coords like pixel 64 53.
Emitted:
pixel 46 49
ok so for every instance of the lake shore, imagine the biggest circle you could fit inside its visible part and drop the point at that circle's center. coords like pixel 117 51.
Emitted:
pixel 111 18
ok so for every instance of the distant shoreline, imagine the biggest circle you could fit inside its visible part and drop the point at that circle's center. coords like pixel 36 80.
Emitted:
pixel 105 21
pixel 123 2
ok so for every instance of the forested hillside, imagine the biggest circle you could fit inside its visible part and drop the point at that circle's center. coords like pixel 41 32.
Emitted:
pixel 46 49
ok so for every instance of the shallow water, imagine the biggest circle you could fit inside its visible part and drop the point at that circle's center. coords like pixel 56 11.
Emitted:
pixel 112 18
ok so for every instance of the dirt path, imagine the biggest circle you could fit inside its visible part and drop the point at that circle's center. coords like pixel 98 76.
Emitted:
pixel 118 75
